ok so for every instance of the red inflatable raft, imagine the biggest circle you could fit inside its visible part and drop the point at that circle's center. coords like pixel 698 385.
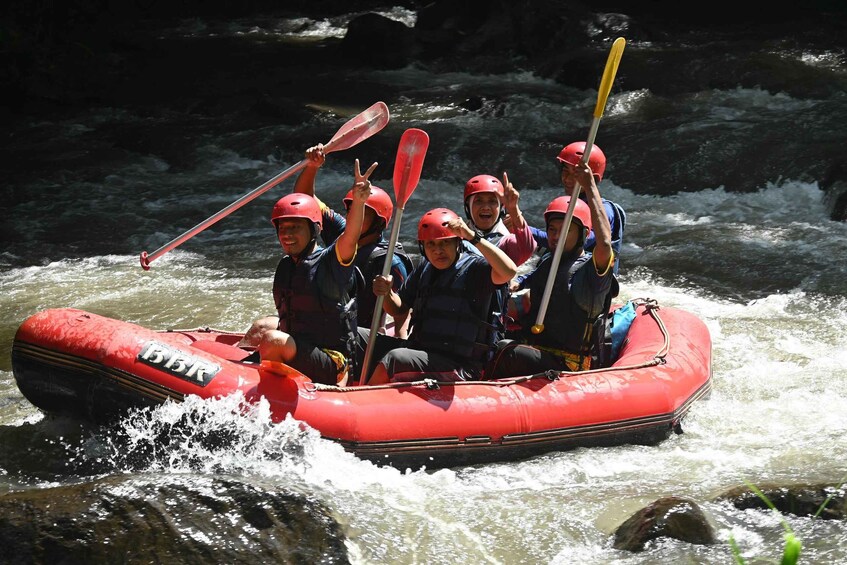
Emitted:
pixel 72 362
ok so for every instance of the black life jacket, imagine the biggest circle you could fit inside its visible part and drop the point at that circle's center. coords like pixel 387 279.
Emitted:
pixel 312 306
pixel 500 304
pixel 601 334
pixel 370 265
pixel 566 326
pixel 449 317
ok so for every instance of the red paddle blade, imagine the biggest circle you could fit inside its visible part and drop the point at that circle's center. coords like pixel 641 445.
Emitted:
pixel 359 128
pixel 407 167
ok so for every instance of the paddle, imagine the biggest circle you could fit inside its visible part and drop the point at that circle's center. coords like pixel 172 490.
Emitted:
pixel 602 95
pixel 356 130
pixel 407 173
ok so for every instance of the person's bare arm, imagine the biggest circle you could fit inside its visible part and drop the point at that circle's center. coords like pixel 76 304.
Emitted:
pixel 518 243
pixel 348 241
pixel 391 303
pixel 315 158
pixel 602 252
pixel 511 197
pixel 502 267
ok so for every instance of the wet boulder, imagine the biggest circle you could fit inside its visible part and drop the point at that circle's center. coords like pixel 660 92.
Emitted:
pixel 376 41
pixel 669 517
pixel 824 501
pixel 166 519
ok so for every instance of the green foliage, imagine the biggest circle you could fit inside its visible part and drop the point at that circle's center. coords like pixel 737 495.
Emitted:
pixel 793 546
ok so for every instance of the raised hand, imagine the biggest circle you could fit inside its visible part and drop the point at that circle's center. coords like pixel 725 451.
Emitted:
pixel 382 285
pixel 316 157
pixel 513 220
pixel 459 228
pixel 583 175
pixel 361 182
pixel 510 195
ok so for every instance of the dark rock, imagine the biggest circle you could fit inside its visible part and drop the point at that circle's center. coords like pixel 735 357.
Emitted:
pixel 670 517
pixel 441 25
pixel 825 501
pixel 473 103
pixel 374 40
pixel 834 185
pixel 836 198
pixel 168 519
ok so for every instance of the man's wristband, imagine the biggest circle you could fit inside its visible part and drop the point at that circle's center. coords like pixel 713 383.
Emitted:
pixel 477 236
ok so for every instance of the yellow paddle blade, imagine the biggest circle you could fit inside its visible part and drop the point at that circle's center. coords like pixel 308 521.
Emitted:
pixel 609 75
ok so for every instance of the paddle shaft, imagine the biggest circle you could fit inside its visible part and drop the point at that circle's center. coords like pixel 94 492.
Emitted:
pixel 376 322
pixel 352 132
pixel 147 259
pixel 563 233
pixel 602 95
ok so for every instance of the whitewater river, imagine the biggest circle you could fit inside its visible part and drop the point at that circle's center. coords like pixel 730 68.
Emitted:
pixel 764 270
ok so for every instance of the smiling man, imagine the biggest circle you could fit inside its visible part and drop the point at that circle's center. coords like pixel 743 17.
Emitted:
pixel 373 246
pixel 314 290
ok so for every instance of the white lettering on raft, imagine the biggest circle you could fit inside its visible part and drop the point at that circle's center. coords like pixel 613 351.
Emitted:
pixel 178 363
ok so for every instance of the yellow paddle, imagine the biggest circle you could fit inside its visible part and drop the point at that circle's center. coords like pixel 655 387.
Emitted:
pixel 602 95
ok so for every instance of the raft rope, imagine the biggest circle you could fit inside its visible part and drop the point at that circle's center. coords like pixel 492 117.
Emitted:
pixel 651 307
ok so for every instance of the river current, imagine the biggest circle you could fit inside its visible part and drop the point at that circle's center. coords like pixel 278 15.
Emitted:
pixel 765 270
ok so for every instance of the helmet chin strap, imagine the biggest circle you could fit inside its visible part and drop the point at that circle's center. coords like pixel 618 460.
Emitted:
pixel 377 227
pixel 313 243
pixel 580 242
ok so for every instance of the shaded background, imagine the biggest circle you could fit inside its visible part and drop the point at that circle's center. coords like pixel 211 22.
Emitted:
pixel 62 55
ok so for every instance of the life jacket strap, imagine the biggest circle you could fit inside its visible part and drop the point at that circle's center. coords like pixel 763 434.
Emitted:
pixel 574 361
pixel 342 365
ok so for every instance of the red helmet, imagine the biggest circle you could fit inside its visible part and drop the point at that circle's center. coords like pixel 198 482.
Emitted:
pixel 572 155
pixel 560 206
pixel 484 183
pixel 378 201
pixel 433 224
pixel 297 205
